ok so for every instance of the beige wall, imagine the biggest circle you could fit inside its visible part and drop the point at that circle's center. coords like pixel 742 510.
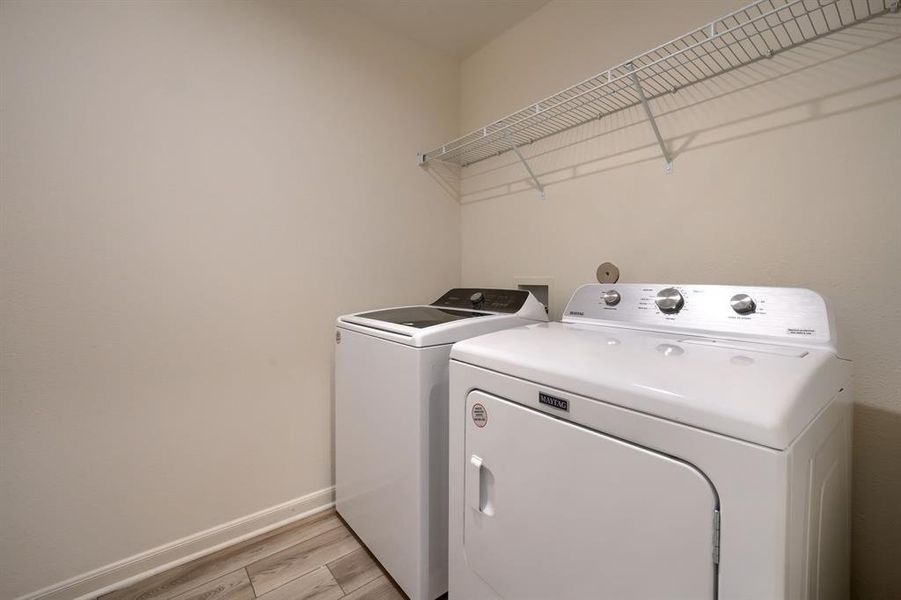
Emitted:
pixel 191 192
pixel 786 174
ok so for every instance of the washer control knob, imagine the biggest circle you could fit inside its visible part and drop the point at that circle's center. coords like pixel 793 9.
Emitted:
pixel 669 301
pixel 477 298
pixel 611 297
pixel 743 304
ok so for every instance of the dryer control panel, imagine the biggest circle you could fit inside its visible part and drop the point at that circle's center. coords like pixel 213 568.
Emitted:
pixel 493 300
pixel 794 315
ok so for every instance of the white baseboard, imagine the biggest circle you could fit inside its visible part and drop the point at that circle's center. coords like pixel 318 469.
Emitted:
pixel 134 568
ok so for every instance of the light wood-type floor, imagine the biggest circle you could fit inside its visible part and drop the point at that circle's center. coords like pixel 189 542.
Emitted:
pixel 316 558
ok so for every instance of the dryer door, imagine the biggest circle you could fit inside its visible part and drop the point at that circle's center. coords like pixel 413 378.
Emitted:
pixel 555 510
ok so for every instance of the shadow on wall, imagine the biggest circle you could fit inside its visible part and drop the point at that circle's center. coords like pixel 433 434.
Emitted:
pixel 447 176
pixel 850 70
pixel 877 515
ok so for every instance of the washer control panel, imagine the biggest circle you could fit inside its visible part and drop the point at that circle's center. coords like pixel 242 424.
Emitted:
pixel 502 301
pixel 796 315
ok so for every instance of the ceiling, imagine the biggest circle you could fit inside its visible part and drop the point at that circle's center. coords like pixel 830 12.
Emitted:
pixel 455 27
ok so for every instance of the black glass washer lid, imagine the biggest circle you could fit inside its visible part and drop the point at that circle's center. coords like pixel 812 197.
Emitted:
pixel 420 316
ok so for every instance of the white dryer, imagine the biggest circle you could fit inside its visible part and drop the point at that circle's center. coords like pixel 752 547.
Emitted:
pixel 391 381
pixel 671 442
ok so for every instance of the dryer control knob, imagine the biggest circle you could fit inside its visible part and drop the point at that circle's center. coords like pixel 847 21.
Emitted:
pixel 669 301
pixel 743 304
pixel 611 298
pixel 477 298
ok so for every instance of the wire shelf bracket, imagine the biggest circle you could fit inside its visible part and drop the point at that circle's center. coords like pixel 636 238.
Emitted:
pixel 525 163
pixel 647 109
pixel 758 31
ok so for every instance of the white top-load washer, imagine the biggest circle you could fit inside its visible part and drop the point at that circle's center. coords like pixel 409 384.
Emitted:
pixel 672 442
pixel 391 378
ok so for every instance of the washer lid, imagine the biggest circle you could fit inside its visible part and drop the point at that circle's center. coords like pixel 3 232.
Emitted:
pixel 746 391
pixel 420 316
pixel 423 326
pixel 459 314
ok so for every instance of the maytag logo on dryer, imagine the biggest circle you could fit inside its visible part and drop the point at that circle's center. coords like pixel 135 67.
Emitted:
pixel 577 313
pixel 558 403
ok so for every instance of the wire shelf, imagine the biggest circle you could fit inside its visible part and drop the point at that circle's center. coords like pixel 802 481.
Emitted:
pixel 756 31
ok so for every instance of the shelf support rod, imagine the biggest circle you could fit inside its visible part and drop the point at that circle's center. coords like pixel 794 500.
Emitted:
pixel 525 163
pixel 650 114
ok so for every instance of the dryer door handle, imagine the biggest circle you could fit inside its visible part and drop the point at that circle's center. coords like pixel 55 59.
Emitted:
pixel 474 482
pixel 479 480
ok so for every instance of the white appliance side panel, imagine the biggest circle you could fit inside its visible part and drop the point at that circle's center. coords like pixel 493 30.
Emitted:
pixel 434 442
pixel 829 545
pixel 819 539
pixel 555 510
pixel 382 416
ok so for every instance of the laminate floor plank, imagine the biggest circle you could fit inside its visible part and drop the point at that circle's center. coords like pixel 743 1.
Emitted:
pixel 300 559
pixel 378 589
pixel 234 586
pixel 317 585
pixel 176 581
pixel 355 570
